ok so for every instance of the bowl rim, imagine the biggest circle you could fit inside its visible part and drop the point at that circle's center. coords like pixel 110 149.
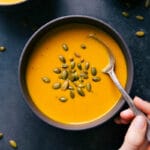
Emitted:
pixel 50 25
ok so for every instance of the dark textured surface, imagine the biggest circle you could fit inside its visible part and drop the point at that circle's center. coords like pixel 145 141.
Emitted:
pixel 16 119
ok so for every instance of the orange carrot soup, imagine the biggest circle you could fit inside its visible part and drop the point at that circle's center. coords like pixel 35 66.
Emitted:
pixel 64 74
pixel 8 2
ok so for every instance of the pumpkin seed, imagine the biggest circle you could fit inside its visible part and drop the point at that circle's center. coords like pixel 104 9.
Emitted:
pixel 93 71
pixel 64 66
pixel 80 91
pixel 82 60
pixel 45 79
pixel 81 80
pixel 62 59
pixel 63 99
pixel 72 95
pixel 72 65
pixel 139 17
pixel 1 135
pixel 65 47
pixel 56 85
pixel 87 65
pixel 89 87
pixel 57 70
pixel 64 74
pixel 77 55
pixel 71 87
pixel 83 46
pixel 65 85
pixel 81 85
pixel 76 76
pixel 83 75
pixel 96 79
pixel 71 59
pixel 79 66
pixel 140 33
pixel 2 48
pixel 147 3
pixel 13 144
pixel 125 14
pixel 71 77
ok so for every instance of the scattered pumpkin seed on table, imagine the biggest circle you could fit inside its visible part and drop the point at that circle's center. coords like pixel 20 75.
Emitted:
pixel 1 135
pixel 140 33
pixel 139 17
pixel 13 144
pixel 63 99
pixel 125 14
pixel 56 85
pixel 96 79
pixel 62 59
pixel 93 71
pixel 57 70
pixel 2 48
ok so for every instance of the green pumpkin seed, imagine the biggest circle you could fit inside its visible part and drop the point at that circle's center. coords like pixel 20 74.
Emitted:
pixel 13 144
pixel 89 87
pixel 140 33
pixel 93 71
pixel 62 59
pixel 71 77
pixel 81 80
pixel 63 99
pixel 72 95
pixel 87 65
pixel 71 87
pixel 81 85
pixel 45 79
pixel 125 14
pixel 96 79
pixel 77 55
pixel 65 47
pixel 56 85
pixel 64 74
pixel 76 76
pixel 65 85
pixel 57 70
pixel 72 65
pixel 80 91
pixel 79 66
pixel 2 48
pixel 1 135
pixel 64 66
pixel 139 17
pixel 83 46
pixel 147 3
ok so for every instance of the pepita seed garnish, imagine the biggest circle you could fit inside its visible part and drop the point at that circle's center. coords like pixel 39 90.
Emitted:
pixel 63 99
pixel 83 46
pixel 89 87
pixel 73 75
pixel 80 91
pixel 65 47
pixel 2 48
pixel 96 79
pixel 65 85
pixel 56 85
pixel 45 79
pixel 13 144
pixel 57 70
pixel 72 95
pixel 62 59
pixel 93 71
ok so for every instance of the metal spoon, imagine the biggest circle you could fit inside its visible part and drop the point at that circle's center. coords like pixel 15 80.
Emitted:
pixel 109 69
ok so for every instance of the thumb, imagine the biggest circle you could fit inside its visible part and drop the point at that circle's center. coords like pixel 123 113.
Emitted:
pixel 135 135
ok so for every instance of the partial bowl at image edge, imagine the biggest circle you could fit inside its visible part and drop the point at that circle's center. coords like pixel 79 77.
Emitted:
pixel 58 22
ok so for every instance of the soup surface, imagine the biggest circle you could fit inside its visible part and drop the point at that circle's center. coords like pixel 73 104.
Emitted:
pixel 88 104
pixel 9 2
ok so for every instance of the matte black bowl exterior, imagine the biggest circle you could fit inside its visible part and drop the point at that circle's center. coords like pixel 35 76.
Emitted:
pixel 46 28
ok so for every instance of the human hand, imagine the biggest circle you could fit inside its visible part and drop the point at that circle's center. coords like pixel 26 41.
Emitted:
pixel 135 137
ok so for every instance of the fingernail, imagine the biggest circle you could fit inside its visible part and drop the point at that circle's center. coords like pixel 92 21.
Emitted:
pixel 140 122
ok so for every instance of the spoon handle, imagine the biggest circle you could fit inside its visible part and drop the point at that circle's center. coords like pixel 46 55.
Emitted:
pixel 129 100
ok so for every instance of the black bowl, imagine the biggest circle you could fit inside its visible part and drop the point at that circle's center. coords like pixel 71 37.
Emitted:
pixel 58 22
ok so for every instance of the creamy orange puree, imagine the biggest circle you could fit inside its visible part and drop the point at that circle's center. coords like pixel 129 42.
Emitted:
pixel 44 59
pixel 7 2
